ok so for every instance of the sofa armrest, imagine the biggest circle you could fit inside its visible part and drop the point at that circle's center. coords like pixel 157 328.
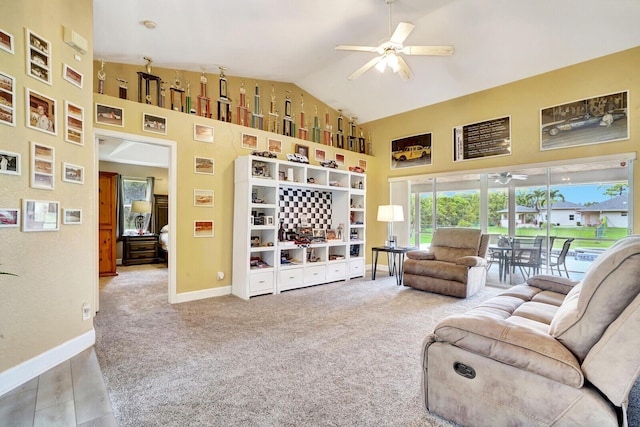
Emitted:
pixel 547 282
pixel 512 344
pixel 421 255
pixel 471 261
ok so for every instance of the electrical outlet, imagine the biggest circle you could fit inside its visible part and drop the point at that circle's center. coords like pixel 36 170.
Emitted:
pixel 220 275
pixel 86 311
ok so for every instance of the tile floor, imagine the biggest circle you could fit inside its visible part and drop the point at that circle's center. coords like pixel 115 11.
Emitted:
pixel 70 394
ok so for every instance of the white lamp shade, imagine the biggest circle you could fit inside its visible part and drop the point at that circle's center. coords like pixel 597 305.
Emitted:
pixel 140 206
pixel 390 213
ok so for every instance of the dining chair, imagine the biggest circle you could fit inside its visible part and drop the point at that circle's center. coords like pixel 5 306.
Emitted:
pixel 560 259
pixel 526 255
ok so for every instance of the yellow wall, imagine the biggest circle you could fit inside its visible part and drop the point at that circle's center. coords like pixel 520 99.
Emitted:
pixel 42 308
pixel 522 100
pixel 199 259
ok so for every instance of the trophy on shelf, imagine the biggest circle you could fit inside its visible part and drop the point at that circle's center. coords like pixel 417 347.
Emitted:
pixel 162 102
pixel 148 78
pixel 287 122
pixel 122 89
pixel 204 103
pixel 188 101
pixel 177 88
pixel 340 134
pixel 302 130
pixel 353 140
pixel 102 75
pixel 369 144
pixel 273 112
pixel 224 105
pixel 327 136
pixel 362 148
pixel 256 117
pixel 243 108
pixel 315 131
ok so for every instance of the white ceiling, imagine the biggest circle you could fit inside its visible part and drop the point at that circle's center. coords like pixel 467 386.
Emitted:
pixel 496 42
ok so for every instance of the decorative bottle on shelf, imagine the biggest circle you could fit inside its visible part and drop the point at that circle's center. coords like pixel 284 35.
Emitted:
pixel 281 232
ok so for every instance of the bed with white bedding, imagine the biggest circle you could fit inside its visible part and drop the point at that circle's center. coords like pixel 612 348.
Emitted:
pixel 163 241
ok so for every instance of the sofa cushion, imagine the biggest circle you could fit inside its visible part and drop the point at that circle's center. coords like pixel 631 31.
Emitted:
pixel 609 285
pixel 420 255
pixel 449 244
pixel 471 261
pixel 437 269
pixel 501 329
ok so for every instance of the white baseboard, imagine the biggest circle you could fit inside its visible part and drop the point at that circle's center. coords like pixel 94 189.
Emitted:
pixel 29 369
pixel 205 293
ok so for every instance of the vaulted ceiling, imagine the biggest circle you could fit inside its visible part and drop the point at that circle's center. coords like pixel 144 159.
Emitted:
pixel 495 41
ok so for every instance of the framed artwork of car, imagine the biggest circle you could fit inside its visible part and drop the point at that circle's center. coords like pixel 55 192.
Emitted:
pixel 411 151
pixel 595 120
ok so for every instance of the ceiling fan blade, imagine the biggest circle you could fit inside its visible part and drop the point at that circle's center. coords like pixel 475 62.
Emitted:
pixel 402 32
pixel 365 67
pixel 357 48
pixel 428 50
pixel 404 70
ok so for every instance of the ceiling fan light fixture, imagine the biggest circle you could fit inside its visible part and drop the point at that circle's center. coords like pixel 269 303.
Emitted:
pixel 392 61
pixel 503 180
pixel 382 64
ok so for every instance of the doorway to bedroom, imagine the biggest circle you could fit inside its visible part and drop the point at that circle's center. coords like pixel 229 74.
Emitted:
pixel 146 187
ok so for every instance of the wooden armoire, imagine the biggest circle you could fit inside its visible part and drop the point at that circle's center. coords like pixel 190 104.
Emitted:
pixel 107 223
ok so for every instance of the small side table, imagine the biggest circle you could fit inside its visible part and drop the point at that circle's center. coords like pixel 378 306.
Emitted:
pixel 395 260
pixel 140 249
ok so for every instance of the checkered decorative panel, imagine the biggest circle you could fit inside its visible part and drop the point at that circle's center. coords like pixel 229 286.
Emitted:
pixel 296 203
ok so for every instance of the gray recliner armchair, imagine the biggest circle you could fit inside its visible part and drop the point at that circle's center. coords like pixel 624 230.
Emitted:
pixel 553 351
pixel 455 264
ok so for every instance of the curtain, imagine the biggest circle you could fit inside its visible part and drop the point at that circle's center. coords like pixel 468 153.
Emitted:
pixel 147 220
pixel 119 207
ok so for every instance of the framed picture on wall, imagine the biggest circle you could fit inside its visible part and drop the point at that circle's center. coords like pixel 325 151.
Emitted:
pixel 72 173
pixel 320 155
pixel 6 41
pixel 202 228
pixel 40 112
pixel 203 165
pixel 595 120
pixel 9 163
pixel 73 123
pixel 72 216
pixel 249 141
pixel 38 57
pixel 72 76
pixel 411 151
pixel 340 159
pixel 203 133
pixel 154 124
pixel 40 215
pixel 7 99
pixel 10 217
pixel 274 146
pixel 203 198
pixel 108 115
pixel 42 166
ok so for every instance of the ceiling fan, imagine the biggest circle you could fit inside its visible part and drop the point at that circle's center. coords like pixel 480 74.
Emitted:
pixel 391 49
pixel 506 177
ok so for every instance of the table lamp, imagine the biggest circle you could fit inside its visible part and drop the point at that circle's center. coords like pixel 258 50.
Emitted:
pixel 141 207
pixel 390 214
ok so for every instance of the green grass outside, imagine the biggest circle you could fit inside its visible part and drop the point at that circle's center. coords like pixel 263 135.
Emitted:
pixel 585 236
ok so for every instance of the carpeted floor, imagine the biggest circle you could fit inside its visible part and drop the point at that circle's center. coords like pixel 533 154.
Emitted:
pixel 342 354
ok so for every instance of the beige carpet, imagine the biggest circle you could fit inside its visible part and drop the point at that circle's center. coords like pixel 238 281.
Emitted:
pixel 342 354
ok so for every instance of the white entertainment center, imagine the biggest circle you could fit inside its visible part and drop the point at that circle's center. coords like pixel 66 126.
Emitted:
pixel 278 198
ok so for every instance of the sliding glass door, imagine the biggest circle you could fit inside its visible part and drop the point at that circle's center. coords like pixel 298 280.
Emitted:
pixel 589 203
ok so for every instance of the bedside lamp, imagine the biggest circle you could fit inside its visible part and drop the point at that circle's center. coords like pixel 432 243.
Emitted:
pixel 141 207
pixel 390 214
